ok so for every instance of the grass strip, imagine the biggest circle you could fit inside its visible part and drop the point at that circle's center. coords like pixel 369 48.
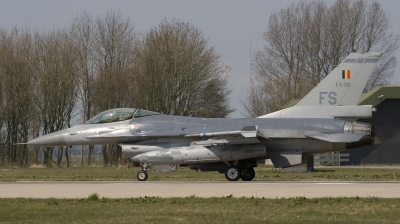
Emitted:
pixel 200 210
pixel 263 173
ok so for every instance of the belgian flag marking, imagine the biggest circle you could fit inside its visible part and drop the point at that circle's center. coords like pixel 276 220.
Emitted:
pixel 345 74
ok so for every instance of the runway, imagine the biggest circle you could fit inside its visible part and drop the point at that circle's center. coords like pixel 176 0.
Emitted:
pixel 199 189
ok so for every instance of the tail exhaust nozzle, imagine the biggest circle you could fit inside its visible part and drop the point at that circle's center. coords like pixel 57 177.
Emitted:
pixel 366 129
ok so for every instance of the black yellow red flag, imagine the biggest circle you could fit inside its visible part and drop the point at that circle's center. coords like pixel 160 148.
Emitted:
pixel 345 74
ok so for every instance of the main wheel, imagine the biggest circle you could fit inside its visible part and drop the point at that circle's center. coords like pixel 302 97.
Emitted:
pixel 233 173
pixel 248 174
pixel 142 175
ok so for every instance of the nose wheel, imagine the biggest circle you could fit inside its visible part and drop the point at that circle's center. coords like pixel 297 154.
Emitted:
pixel 142 175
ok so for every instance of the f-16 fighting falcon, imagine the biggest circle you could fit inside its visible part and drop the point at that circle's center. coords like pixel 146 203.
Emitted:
pixel 323 121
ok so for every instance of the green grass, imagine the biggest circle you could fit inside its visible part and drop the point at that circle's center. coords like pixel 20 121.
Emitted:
pixel 263 173
pixel 200 210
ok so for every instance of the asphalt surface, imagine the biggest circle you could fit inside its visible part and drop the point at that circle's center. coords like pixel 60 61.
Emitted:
pixel 199 189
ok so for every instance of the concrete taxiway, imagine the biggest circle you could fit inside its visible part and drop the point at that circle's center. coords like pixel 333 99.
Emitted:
pixel 200 189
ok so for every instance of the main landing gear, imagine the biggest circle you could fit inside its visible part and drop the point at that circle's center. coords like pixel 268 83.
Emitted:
pixel 234 173
pixel 248 174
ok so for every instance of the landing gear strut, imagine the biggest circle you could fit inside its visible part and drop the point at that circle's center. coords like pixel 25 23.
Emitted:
pixel 233 173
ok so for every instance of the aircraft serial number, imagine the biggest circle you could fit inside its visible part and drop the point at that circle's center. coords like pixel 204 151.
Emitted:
pixel 344 84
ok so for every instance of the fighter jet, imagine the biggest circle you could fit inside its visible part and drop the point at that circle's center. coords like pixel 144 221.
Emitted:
pixel 323 121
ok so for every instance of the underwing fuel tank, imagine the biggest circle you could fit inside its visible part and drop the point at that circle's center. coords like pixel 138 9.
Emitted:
pixel 201 154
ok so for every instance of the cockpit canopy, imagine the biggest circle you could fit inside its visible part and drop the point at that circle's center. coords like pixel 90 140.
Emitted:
pixel 119 114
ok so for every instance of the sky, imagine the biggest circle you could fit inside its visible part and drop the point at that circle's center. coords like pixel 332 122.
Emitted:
pixel 233 27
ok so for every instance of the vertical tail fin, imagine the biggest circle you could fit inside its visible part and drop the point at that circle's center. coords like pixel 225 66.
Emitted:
pixel 344 85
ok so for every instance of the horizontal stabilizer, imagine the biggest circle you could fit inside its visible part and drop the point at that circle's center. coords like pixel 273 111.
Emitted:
pixel 364 111
pixel 285 159
pixel 337 137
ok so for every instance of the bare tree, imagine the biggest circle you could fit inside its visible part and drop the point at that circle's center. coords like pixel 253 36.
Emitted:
pixel 307 40
pixel 3 130
pixel 55 84
pixel 265 96
pixel 37 90
pixel 16 90
pixel 113 48
pixel 114 41
pixel 82 31
pixel 105 66
pixel 178 73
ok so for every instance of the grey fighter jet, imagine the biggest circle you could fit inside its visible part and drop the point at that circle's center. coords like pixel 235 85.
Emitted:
pixel 323 121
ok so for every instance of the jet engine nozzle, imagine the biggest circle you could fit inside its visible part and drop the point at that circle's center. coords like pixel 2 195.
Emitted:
pixel 362 128
pixel 358 127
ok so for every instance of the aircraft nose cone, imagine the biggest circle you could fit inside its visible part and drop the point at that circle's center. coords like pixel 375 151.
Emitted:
pixel 52 139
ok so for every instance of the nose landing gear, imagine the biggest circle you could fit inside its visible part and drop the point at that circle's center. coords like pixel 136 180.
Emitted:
pixel 142 175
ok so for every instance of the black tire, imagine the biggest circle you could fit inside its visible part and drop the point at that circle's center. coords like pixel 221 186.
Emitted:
pixel 142 175
pixel 233 173
pixel 248 174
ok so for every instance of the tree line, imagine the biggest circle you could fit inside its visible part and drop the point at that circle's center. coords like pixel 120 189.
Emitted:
pixel 52 78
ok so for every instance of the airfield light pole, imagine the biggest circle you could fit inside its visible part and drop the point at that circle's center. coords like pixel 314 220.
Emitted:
pixel 83 119
pixel 82 155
